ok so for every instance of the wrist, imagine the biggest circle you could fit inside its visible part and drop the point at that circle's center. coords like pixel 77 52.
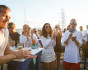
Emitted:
pixel 13 56
pixel 19 54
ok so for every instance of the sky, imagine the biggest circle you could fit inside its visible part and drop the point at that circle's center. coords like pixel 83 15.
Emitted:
pixel 38 12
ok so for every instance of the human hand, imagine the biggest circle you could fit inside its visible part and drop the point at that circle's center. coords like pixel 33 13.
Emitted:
pixel 24 54
pixel 70 36
pixel 27 54
pixel 53 36
pixel 73 38
pixel 84 36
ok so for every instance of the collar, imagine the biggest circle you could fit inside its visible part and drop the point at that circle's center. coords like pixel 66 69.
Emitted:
pixel 71 30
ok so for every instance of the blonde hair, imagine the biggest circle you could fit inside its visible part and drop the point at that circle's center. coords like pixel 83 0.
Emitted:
pixel 57 25
pixel 28 33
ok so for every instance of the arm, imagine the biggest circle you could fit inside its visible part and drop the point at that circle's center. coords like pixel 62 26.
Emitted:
pixel 78 39
pixel 74 39
pixel 53 43
pixel 20 53
pixel 45 42
pixel 66 37
pixel 6 58
pixel 66 41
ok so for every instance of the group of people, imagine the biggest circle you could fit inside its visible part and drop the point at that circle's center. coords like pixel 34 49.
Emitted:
pixel 53 41
pixel 6 54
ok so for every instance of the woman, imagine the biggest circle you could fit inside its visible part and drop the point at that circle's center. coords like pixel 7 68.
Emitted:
pixel 25 38
pixel 48 42
pixel 57 48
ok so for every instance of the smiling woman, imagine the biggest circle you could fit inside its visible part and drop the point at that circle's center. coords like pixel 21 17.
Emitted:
pixel 48 41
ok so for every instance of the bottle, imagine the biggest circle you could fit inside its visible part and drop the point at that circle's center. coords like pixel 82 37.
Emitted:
pixel 40 43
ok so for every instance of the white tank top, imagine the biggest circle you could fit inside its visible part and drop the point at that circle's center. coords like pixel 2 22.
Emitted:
pixel 3 41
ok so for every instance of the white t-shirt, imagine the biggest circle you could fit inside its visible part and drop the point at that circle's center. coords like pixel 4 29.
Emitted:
pixel 23 39
pixel 85 32
pixel 48 54
pixel 3 41
pixel 71 49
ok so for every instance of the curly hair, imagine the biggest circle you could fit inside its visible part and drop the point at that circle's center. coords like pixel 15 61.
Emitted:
pixel 44 33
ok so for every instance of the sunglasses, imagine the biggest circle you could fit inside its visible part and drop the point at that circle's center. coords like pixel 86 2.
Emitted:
pixel 22 32
pixel 47 27
pixel 56 27
pixel 10 27
pixel 73 23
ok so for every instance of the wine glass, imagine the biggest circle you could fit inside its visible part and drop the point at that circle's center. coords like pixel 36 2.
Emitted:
pixel 12 43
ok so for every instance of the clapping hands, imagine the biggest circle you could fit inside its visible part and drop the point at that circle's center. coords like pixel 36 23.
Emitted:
pixel 73 38
pixel 53 36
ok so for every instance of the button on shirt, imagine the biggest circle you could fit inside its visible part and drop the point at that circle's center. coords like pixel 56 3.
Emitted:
pixel 71 49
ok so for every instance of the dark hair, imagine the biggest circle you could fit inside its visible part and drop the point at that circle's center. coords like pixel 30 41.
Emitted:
pixel 5 7
pixel 11 24
pixel 44 33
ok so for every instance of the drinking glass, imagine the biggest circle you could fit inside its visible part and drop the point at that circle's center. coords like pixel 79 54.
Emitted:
pixel 20 46
pixel 12 43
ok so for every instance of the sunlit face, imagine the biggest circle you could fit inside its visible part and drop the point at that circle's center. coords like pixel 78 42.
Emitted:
pixel 5 16
pixel 57 27
pixel 81 28
pixel 26 29
pixel 12 29
pixel 73 26
pixel 47 28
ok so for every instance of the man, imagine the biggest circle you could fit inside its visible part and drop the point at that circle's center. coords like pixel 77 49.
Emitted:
pixel 81 28
pixel 6 54
pixel 13 34
pixel 72 40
